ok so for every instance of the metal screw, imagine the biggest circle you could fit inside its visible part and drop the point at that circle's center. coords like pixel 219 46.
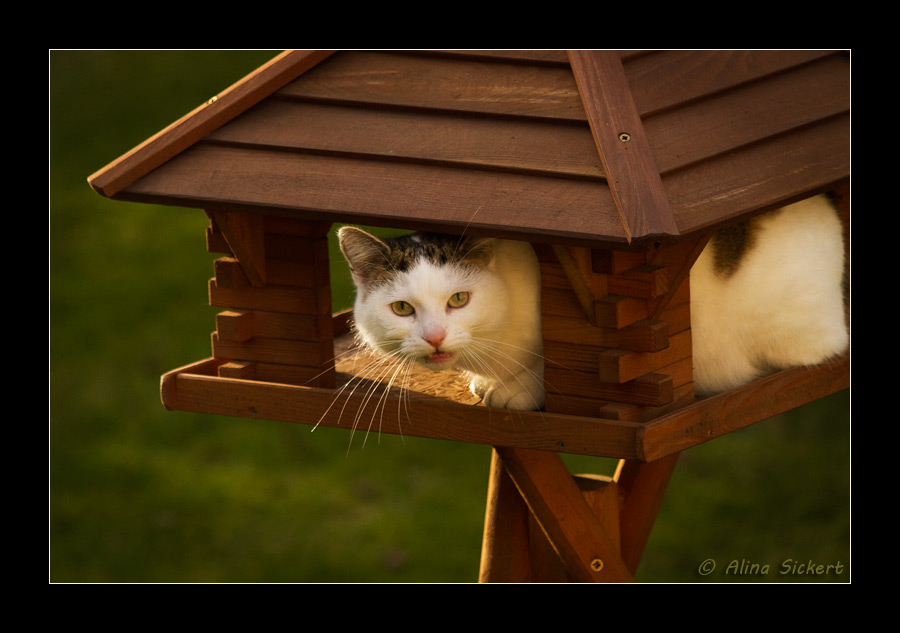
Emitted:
pixel 597 564
pixel 624 137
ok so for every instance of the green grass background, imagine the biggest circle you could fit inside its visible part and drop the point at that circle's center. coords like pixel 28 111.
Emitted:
pixel 141 494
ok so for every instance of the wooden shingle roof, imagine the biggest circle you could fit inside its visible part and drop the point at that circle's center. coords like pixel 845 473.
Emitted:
pixel 591 147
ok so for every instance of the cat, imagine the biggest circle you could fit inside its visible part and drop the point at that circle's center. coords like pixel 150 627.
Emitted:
pixel 766 294
pixel 449 302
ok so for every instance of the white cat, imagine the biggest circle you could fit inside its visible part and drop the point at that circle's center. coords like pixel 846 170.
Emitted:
pixel 769 294
pixel 765 294
pixel 471 304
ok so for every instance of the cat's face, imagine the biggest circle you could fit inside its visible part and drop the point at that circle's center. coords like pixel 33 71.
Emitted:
pixel 429 303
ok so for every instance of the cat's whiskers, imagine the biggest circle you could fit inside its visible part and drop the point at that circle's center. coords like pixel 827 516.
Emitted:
pixel 374 384
pixel 382 400
pixel 388 363
pixel 356 380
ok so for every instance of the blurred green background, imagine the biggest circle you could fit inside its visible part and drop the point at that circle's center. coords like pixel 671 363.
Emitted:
pixel 140 494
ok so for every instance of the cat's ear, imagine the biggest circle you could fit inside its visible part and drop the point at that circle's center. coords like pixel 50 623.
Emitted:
pixel 365 253
pixel 479 250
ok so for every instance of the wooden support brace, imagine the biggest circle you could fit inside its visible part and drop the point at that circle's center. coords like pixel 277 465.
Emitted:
pixel 576 534
pixel 641 490
pixel 597 526
pixel 244 234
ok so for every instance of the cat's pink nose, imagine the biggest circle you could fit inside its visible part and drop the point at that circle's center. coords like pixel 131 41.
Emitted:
pixel 434 337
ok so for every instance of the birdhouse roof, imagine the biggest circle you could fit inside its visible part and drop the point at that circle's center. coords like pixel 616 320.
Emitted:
pixel 611 148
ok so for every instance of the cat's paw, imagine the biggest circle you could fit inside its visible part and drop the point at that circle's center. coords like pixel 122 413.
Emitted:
pixel 479 387
pixel 526 401
pixel 527 397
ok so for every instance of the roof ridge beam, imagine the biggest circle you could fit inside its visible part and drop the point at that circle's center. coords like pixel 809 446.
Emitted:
pixel 618 131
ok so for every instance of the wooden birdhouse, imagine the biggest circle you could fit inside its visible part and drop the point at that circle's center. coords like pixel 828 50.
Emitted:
pixel 615 166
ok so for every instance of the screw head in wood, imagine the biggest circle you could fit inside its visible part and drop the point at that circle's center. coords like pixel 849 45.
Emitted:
pixel 597 565
pixel 624 137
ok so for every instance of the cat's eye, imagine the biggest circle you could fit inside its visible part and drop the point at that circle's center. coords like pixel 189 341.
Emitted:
pixel 458 300
pixel 402 308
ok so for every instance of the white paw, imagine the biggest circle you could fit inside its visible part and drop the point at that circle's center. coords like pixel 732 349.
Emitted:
pixel 524 399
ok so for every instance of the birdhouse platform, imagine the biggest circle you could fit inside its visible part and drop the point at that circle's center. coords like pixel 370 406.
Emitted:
pixel 616 166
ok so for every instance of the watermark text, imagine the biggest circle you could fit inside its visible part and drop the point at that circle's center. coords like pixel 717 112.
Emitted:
pixel 741 567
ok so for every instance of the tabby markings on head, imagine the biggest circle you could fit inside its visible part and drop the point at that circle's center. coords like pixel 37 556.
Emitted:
pixel 399 254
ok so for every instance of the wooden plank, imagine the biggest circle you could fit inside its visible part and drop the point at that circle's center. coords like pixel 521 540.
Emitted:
pixel 647 335
pixel 242 325
pixel 191 389
pixel 765 175
pixel 193 126
pixel 681 372
pixel 642 282
pixel 616 311
pixel 228 273
pixel 238 369
pixel 683 396
pixel 557 57
pixel 651 389
pixel 572 356
pixel 271 299
pixel 296 374
pixel 539 146
pixel 761 399
pixel 625 152
pixel 662 79
pixel 235 326
pixel 558 403
pixel 426 82
pixel 385 193
pixel 279 272
pixel 280 351
pixel 586 550
pixel 621 411
pixel 622 365
pixel 725 121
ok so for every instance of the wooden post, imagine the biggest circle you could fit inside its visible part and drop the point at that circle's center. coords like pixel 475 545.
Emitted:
pixel 504 553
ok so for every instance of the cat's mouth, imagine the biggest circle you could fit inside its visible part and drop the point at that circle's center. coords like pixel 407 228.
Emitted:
pixel 439 359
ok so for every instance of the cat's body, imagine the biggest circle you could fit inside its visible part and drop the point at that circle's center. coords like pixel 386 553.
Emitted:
pixel 771 299
pixel 769 294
